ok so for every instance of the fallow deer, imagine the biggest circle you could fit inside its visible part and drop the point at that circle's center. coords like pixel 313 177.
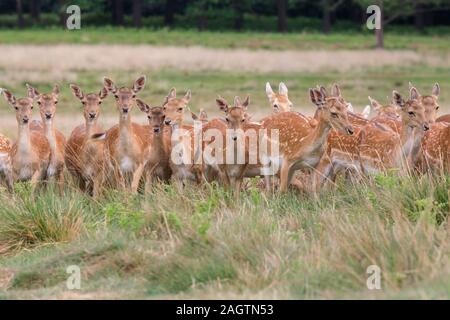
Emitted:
pixel 84 156
pixel 280 101
pixel 382 148
pixel 157 155
pixel 30 154
pixel 125 143
pixel 301 147
pixel 47 109
pixel 6 175
pixel 202 116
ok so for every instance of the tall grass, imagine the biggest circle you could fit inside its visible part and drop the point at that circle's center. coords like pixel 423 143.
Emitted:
pixel 200 242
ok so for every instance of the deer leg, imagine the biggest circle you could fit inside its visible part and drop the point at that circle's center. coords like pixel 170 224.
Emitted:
pixel 149 178
pixel 137 175
pixel 285 176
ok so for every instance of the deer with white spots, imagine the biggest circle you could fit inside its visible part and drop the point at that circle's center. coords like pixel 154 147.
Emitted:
pixel 5 162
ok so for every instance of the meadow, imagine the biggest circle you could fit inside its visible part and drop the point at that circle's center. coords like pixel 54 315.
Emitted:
pixel 201 242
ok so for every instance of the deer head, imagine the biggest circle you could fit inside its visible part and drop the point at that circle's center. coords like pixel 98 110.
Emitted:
pixel 174 108
pixel 389 110
pixel 280 101
pixel 430 103
pixel 125 97
pixel 332 110
pixel 412 111
pixel 91 102
pixel 23 107
pixel 46 102
pixel 155 115
pixel 235 116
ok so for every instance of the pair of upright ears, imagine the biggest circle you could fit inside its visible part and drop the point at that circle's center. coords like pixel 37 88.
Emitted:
pixel 224 106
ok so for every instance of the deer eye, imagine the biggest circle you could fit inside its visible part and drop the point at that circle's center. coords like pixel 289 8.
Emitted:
pixel 243 120
pixel 437 108
pixel 56 102
pixel 100 102
pixel 32 107
pixel 411 113
pixel 228 120
pixel 116 96
pixel 17 108
pixel 39 103
pixel 149 117
pixel 180 109
pixel 334 114
pixel 275 106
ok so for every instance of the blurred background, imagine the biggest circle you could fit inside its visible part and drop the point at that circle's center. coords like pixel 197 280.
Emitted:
pixel 227 48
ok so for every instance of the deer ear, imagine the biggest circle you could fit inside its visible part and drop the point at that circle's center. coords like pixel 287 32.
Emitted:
pixel 194 116
pixel 203 115
pixel 323 92
pixel 103 93
pixel 142 105
pixel 76 91
pixel 414 93
pixel 335 91
pixel 237 101
pixel 314 96
pixel 9 97
pixel 246 102
pixel 109 85
pixel 269 91
pixel 398 99
pixel 55 90
pixel 436 90
pixel 187 96
pixel 222 104
pixel 374 103
pixel 282 89
pixel 139 84
pixel 32 92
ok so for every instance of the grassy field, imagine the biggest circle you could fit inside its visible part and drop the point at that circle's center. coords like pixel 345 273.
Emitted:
pixel 436 40
pixel 200 242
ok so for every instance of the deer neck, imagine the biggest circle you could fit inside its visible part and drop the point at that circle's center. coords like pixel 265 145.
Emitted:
pixel 315 141
pixel 24 139
pixel 50 134
pixel 408 142
pixel 125 134
pixel 90 125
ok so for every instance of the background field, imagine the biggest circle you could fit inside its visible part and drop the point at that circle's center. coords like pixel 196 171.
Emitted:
pixel 200 242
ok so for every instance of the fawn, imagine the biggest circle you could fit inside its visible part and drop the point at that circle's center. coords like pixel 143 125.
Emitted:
pixel 125 143
pixel 47 109
pixel 30 154
pixel 84 156
pixel 300 146
pixel 280 101
pixel 157 161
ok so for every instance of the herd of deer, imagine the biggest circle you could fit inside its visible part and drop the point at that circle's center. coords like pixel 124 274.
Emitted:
pixel 405 135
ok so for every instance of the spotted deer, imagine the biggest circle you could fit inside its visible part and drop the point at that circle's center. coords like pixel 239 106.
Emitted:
pixel 47 109
pixel 202 116
pixel 300 146
pixel 157 154
pixel 6 175
pixel 280 101
pixel 382 148
pixel 125 143
pixel 84 157
pixel 183 150
pixel 30 154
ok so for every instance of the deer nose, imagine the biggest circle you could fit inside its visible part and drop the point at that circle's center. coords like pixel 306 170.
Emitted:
pixel 125 109
pixel 25 119
pixel 234 138
pixel 167 121
pixel 349 130
pixel 156 130
pixel 48 115
pixel 92 115
pixel 426 127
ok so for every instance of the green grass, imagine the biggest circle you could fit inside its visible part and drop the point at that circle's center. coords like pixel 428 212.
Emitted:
pixel 201 243
pixel 252 40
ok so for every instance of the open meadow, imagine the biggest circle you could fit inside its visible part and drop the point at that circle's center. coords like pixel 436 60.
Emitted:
pixel 201 242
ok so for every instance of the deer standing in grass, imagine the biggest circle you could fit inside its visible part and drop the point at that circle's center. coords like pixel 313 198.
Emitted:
pixel 6 174
pixel 300 146
pixel 84 156
pixel 157 155
pixel 125 143
pixel 382 148
pixel 47 109
pixel 183 151
pixel 280 101
pixel 30 154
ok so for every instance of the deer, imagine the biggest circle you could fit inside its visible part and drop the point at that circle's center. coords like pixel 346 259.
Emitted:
pixel 382 148
pixel 84 157
pixel 157 154
pixel 300 146
pixel 280 101
pixel 47 109
pixel 125 143
pixel 202 116
pixel 6 174
pixel 183 160
pixel 30 154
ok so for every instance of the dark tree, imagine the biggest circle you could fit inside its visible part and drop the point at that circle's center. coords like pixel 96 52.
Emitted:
pixel 19 10
pixel 169 12
pixel 117 12
pixel 35 10
pixel 328 7
pixel 137 13
pixel 62 12
pixel 282 15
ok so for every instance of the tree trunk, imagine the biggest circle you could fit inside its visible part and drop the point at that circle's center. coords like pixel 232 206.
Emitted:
pixel 137 13
pixel 169 13
pixel 35 9
pixel 379 33
pixel 62 13
pixel 326 17
pixel 118 12
pixel 282 15
pixel 419 18
pixel 239 20
pixel 19 9
pixel 202 22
